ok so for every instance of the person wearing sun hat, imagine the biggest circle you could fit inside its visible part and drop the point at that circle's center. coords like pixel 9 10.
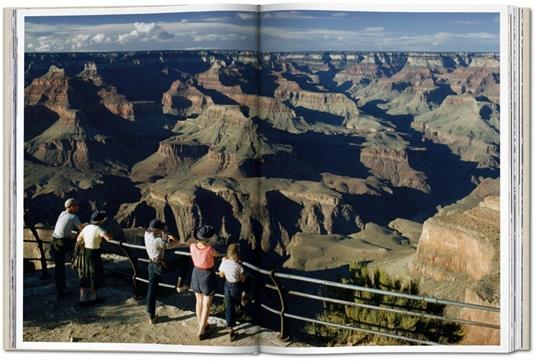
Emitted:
pixel 203 276
pixel 92 272
pixel 63 240
pixel 157 240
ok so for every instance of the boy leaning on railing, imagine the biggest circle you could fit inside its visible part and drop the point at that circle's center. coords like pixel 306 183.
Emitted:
pixel 231 268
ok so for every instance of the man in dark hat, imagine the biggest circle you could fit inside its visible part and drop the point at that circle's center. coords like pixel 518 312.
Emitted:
pixel 63 240
pixel 157 240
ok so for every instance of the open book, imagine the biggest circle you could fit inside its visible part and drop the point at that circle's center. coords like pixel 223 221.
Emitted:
pixel 369 164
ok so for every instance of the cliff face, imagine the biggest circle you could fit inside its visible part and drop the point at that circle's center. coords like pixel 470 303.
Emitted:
pixel 470 128
pixel 117 103
pixel 67 152
pixel 64 142
pixel 170 157
pixel 460 247
pixel 221 141
pixel 183 99
pixel 88 128
pixel 265 218
pixel 332 103
pixel 211 79
pixel 51 91
pixel 480 77
pixel 459 243
pixel 393 165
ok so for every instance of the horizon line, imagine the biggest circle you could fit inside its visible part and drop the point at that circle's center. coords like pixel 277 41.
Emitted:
pixel 264 52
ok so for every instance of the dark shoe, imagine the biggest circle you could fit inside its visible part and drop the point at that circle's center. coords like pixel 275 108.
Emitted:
pixel 152 320
pixel 207 328
pixel 202 336
pixel 232 336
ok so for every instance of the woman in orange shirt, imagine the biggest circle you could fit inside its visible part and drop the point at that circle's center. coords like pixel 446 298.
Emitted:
pixel 203 276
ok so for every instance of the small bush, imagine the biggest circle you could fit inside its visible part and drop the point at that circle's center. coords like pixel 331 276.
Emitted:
pixel 417 327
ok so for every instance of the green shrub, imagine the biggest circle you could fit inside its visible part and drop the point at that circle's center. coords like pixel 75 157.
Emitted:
pixel 416 327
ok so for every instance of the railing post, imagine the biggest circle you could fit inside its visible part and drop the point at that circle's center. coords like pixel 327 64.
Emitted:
pixel 282 320
pixel 134 264
pixel 44 269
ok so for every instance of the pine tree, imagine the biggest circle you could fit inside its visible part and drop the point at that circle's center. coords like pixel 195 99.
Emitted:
pixel 417 327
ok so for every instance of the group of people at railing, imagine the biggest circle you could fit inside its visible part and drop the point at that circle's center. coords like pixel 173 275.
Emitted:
pixel 85 242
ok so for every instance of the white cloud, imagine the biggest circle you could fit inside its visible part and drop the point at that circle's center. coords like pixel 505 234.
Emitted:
pixel 424 41
pixel 49 43
pixel 144 32
pixel 285 15
pixel 216 37
pixel 215 19
pixel 99 38
pixel 80 41
pixel 374 29
pixel 467 22
pixel 339 14
pixel 145 28
pixel 247 16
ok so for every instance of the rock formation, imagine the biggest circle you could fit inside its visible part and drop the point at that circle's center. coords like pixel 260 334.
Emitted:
pixel 459 250
pixel 393 165
pixel 184 100
pixel 469 127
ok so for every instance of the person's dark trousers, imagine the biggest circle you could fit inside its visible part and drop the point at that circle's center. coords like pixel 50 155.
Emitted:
pixel 232 293
pixel 60 247
pixel 155 275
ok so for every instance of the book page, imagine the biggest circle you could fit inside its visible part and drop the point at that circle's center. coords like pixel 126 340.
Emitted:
pixel 389 138
pixel 146 115
pixel 353 153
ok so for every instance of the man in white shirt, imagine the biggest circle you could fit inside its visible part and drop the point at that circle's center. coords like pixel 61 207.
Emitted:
pixel 156 243
pixel 63 240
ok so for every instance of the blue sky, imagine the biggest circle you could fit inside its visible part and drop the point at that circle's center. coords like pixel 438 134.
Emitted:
pixel 188 30
pixel 282 31
pixel 345 30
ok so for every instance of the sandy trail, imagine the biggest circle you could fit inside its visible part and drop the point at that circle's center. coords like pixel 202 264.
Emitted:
pixel 121 318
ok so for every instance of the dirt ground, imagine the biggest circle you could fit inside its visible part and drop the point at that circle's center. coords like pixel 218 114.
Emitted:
pixel 121 318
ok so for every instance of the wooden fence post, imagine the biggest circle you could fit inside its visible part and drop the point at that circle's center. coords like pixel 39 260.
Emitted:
pixel 44 269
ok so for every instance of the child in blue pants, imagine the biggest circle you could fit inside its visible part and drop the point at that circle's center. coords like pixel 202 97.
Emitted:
pixel 232 270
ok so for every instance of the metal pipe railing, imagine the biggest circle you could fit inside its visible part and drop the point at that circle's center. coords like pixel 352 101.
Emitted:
pixel 283 314
pixel 169 285
pixel 382 308
pixel 353 328
pixel 387 293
